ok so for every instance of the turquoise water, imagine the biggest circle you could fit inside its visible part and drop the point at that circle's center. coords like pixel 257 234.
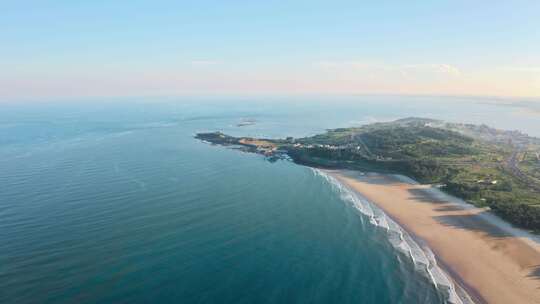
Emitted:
pixel 115 202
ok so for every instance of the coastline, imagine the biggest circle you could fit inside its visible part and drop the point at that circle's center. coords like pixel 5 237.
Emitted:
pixel 499 264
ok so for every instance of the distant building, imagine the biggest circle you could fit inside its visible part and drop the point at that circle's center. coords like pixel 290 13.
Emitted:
pixel 487 182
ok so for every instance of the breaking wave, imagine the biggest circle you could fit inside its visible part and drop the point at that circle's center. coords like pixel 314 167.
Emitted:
pixel 422 257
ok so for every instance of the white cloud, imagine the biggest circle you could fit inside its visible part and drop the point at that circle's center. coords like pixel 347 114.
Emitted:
pixel 403 69
pixel 437 67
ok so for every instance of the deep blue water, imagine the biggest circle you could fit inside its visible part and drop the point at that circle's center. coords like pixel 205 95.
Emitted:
pixel 115 202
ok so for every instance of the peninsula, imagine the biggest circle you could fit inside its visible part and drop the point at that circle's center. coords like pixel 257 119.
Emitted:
pixel 467 174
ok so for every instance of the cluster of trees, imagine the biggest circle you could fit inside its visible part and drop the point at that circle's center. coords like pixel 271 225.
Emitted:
pixel 526 216
pixel 383 139
pixel 438 149
pixel 400 142
pixel 501 200
pixel 428 171
pixel 463 190
pixel 417 142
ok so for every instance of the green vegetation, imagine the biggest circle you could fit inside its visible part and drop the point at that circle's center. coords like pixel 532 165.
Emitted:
pixel 530 163
pixel 486 167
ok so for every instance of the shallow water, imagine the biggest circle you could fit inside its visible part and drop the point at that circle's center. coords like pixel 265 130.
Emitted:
pixel 115 202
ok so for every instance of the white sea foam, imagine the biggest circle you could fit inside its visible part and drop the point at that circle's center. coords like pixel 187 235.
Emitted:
pixel 422 257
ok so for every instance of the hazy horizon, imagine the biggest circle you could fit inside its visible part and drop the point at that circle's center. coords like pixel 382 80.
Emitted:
pixel 143 48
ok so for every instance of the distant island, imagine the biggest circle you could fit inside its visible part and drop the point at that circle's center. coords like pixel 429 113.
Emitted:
pixel 246 122
pixel 484 166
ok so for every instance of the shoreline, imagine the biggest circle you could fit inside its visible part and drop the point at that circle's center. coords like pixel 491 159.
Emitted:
pixel 498 264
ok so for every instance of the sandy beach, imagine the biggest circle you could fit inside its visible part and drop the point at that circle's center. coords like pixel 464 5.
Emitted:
pixel 494 262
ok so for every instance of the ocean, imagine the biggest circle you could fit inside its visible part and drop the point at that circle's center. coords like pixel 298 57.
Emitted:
pixel 114 201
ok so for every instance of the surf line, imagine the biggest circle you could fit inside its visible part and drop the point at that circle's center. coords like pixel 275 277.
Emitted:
pixel 422 257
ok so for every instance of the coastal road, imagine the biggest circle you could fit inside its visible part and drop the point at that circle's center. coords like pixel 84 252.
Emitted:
pixel 511 164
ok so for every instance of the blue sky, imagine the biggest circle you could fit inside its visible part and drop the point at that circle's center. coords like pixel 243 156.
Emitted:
pixel 86 48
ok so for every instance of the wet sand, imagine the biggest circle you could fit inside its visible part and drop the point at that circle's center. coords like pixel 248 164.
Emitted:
pixel 494 262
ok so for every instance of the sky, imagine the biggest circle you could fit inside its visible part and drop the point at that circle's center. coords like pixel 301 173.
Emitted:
pixel 73 48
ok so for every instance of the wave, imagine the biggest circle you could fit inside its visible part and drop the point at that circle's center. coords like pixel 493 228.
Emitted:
pixel 422 257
